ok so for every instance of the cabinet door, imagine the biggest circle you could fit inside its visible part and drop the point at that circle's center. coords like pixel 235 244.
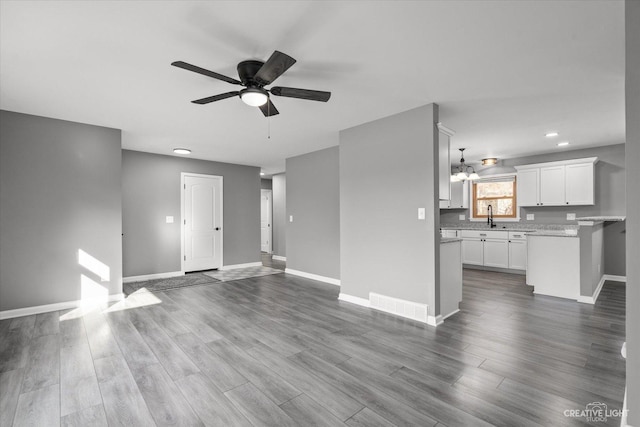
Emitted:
pixel 444 165
pixel 444 204
pixel 528 187
pixel 456 194
pixel 552 191
pixel 579 184
pixel 518 254
pixel 496 253
pixel 472 251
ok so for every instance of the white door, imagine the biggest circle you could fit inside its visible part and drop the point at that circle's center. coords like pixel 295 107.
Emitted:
pixel 265 220
pixel 202 222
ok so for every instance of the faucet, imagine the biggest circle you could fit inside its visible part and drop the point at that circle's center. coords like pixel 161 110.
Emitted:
pixel 490 217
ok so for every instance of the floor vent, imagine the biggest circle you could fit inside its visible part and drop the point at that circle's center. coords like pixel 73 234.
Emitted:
pixel 399 307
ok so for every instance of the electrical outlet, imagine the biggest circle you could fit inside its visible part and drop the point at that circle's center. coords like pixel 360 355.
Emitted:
pixel 461 217
pixel 169 220
pixel 530 217
pixel 571 217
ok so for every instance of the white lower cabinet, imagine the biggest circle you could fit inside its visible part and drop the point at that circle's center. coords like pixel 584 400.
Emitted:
pixel 494 248
pixel 472 251
pixel 517 251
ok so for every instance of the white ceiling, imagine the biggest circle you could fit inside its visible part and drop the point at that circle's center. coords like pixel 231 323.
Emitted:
pixel 504 73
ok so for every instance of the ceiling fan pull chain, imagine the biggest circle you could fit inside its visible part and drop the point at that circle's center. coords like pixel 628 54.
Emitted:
pixel 268 120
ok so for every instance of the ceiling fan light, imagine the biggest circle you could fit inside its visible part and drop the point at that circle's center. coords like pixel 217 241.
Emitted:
pixel 254 97
pixel 182 151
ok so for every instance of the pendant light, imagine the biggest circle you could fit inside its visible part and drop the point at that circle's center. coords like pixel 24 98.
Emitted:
pixel 463 170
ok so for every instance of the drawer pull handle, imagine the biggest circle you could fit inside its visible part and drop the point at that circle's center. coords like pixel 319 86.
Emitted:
pixel 482 234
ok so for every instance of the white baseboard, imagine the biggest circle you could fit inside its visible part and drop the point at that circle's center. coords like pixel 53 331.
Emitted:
pixel 615 278
pixel 592 299
pixel 399 307
pixel 312 276
pixel 354 300
pixel 245 265
pixel 146 277
pixel 596 293
pixel 27 311
pixel 450 314
pixel 279 258
pixel 434 320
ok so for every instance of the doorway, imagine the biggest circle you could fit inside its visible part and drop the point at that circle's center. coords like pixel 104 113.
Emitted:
pixel 266 209
pixel 201 221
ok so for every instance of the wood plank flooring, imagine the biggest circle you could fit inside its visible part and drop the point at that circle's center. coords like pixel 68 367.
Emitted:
pixel 281 350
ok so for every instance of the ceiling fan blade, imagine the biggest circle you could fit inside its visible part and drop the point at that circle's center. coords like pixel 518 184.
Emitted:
pixel 277 64
pixel 196 69
pixel 268 109
pixel 216 97
pixel 291 92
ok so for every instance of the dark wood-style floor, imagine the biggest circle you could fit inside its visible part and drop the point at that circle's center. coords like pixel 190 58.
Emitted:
pixel 280 350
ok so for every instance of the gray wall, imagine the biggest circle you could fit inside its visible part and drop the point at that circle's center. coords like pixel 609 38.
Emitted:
pixel 265 184
pixel 151 191
pixel 610 195
pixel 59 193
pixel 313 198
pixel 632 91
pixel 279 215
pixel 388 169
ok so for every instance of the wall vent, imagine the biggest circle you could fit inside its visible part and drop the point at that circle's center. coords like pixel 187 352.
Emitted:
pixel 399 307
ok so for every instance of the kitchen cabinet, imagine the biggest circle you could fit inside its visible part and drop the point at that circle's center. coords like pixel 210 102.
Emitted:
pixel 568 182
pixel 459 196
pixel 486 248
pixel 449 233
pixel 517 250
pixel 444 162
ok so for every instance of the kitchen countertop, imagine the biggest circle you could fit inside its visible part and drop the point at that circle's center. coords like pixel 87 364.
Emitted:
pixel 603 218
pixel 553 233
pixel 509 227
pixel 450 239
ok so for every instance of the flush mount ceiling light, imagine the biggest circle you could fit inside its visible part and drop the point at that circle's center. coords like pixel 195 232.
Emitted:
pixel 463 170
pixel 490 161
pixel 254 96
pixel 563 143
pixel 182 151
pixel 551 134
pixel 261 173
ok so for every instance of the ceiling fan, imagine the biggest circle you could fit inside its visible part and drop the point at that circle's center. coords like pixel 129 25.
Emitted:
pixel 254 76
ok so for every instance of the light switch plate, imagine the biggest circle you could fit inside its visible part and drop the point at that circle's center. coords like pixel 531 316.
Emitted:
pixel 571 217
pixel 461 217
pixel 169 220
pixel 421 213
pixel 290 218
pixel 530 217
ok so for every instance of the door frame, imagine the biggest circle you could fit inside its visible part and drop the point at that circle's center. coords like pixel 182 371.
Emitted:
pixel 262 191
pixel 183 219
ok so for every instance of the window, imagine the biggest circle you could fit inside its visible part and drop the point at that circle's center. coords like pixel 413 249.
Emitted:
pixel 500 193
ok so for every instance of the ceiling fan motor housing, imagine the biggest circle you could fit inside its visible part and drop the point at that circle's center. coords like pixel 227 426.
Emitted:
pixel 247 70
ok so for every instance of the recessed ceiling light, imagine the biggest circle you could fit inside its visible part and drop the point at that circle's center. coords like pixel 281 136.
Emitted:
pixel 551 134
pixel 261 173
pixel 563 144
pixel 182 151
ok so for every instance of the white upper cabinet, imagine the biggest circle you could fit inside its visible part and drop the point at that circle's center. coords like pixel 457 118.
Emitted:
pixel 528 187
pixel 459 196
pixel 444 162
pixel 579 184
pixel 569 182
pixel 552 185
